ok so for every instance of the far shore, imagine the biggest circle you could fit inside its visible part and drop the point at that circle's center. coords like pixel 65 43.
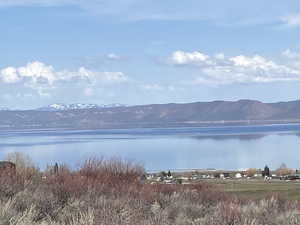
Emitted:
pixel 136 126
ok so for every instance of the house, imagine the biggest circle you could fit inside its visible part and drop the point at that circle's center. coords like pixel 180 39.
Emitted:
pixel 217 175
pixel 238 175
pixel 184 178
pixel 150 176
pixel 226 175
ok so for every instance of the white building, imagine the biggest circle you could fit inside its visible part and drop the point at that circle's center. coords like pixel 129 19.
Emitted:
pixel 238 175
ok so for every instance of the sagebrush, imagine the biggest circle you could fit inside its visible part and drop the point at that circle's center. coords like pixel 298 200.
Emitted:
pixel 109 192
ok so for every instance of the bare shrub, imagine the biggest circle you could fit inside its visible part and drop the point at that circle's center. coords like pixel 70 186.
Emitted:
pixel 21 160
pixel 112 170
pixel 283 170
pixel 24 165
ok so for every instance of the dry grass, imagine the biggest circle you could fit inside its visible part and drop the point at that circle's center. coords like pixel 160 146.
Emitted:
pixel 109 192
pixel 259 189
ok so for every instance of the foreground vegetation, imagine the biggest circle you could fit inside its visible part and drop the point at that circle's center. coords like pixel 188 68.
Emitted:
pixel 110 192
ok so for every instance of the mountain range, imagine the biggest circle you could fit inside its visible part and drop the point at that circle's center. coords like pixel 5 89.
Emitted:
pixel 89 116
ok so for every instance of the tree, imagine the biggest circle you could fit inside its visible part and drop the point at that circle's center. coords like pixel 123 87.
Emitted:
pixel 56 168
pixel 169 173
pixel 250 172
pixel 283 170
pixel 20 159
pixel 266 171
pixel 163 174
pixel 24 164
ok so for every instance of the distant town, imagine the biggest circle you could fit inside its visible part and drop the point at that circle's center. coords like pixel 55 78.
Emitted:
pixel 194 176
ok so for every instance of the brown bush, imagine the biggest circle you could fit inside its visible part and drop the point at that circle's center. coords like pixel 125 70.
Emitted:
pixel 284 171
pixel 251 172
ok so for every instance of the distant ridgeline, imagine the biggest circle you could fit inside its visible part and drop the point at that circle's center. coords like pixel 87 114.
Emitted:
pixel 159 115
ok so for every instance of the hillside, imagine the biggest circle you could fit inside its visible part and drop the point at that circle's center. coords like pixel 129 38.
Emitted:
pixel 159 115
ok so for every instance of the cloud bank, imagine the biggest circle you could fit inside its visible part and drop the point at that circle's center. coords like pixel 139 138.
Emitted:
pixel 40 73
pixel 219 69
pixel 39 76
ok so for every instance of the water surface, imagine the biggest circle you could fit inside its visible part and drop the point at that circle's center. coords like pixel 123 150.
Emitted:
pixel 163 149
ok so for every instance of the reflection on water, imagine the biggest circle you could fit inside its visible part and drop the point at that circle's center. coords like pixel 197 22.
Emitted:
pixel 163 149
pixel 241 137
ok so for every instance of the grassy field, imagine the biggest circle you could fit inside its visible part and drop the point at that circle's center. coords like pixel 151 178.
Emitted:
pixel 258 189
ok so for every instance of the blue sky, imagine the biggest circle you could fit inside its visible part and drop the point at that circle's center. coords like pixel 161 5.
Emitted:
pixel 142 52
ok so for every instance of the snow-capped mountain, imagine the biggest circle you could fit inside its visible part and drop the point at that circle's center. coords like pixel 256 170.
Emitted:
pixel 114 105
pixel 75 106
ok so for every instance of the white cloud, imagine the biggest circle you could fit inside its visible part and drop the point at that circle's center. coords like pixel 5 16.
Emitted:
pixel 255 62
pixel 237 69
pixel 113 56
pixel 291 54
pixel 38 72
pixel 9 75
pixel 291 20
pixel 95 77
pixel 220 56
pixel 157 87
pixel 42 78
pixel 188 58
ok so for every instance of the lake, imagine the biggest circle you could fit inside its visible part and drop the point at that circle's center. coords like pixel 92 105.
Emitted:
pixel 163 149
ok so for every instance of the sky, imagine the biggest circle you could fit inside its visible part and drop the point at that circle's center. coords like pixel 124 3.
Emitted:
pixel 144 52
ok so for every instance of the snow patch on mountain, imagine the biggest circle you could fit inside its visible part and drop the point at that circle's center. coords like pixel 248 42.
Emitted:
pixel 76 106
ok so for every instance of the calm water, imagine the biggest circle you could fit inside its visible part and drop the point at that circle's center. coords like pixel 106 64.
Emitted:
pixel 163 149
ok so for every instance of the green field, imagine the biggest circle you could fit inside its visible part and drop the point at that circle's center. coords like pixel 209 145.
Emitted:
pixel 258 189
